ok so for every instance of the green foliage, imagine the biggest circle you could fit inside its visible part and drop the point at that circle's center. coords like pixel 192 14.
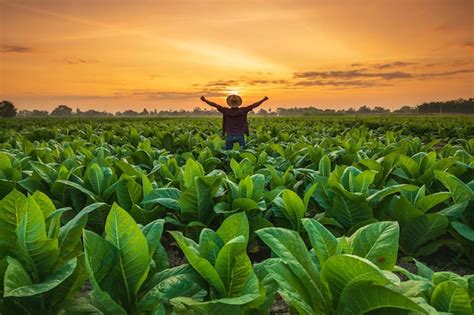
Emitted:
pixel 335 200
pixel 44 261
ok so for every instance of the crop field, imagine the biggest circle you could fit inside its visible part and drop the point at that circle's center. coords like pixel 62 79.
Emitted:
pixel 326 215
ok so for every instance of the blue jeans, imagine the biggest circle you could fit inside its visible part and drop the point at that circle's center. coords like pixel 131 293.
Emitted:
pixel 230 139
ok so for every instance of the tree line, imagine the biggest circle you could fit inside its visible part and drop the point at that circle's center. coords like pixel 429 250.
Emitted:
pixel 458 106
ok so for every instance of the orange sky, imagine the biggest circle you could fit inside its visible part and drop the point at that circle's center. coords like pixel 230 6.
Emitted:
pixel 112 55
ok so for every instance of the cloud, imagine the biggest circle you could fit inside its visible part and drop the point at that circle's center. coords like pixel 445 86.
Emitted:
pixel 468 45
pixel 14 49
pixel 340 84
pixel 222 83
pixel 391 65
pixel 425 76
pixel 78 61
pixel 170 95
pixel 267 82
pixel 351 74
pixel 373 75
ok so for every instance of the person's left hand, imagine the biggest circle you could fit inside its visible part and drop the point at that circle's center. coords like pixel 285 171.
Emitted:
pixel 265 98
pixel 203 98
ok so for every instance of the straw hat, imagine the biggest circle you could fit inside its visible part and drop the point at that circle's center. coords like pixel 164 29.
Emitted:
pixel 234 101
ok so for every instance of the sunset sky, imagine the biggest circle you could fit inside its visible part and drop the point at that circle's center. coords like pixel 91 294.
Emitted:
pixel 113 55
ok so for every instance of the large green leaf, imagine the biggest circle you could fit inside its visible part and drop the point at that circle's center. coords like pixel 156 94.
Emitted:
pixel 421 230
pixel 15 276
pixel 350 212
pixel 209 245
pixel 100 258
pixel 234 266
pixel 80 188
pixel 292 207
pixel 289 246
pixel 167 197
pixel 192 169
pixel 128 192
pixel 228 305
pixel 341 271
pixel 428 202
pixel 294 290
pixel 235 225
pixel 361 298
pixel 464 230
pixel 46 172
pixel 201 265
pixel 12 210
pixel 20 288
pixel 449 297
pixel 196 201
pixel 70 233
pixel 363 180
pixel 96 178
pixel 461 191
pixel 46 205
pixel 133 256
pixel 36 251
pixel 152 232
pixel 244 204
pixel 377 242
pixel 324 242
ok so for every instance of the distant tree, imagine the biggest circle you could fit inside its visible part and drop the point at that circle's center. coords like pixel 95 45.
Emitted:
pixel 39 113
pixel 364 110
pixel 7 109
pixel 62 110
pixel 24 113
pixel 262 112
pixel 460 106
pixel 380 110
pixel 127 112
pixel 406 110
pixel 144 112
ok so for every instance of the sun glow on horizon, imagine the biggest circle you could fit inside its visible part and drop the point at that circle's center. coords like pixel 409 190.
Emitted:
pixel 162 55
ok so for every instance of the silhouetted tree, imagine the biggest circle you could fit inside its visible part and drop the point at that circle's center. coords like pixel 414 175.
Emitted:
pixel 406 110
pixel 7 109
pixel 39 113
pixel 460 106
pixel 62 110
pixel 364 110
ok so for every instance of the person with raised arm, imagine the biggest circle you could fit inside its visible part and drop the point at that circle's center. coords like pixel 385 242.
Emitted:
pixel 234 119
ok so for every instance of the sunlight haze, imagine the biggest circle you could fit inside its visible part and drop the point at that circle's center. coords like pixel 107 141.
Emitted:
pixel 114 55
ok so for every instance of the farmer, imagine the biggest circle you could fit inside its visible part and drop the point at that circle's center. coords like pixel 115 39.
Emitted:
pixel 234 120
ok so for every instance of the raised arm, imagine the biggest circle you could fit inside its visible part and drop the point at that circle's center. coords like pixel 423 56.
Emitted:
pixel 210 103
pixel 257 104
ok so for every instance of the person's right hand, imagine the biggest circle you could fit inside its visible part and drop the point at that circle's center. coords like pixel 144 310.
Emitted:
pixel 265 98
pixel 203 98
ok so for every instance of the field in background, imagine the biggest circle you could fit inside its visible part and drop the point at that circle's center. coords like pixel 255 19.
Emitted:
pixel 87 206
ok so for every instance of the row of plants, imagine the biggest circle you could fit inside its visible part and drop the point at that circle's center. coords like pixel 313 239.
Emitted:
pixel 114 196
pixel 432 205
pixel 44 265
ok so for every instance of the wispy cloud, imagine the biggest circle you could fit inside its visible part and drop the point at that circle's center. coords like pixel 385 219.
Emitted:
pixel 444 74
pixel 222 83
pixel 468 44
pixel 391 65
pixel 373 75
pixel 4 48
pixel 339 84
pixel 351 74
pixel 170 95
pixel 77 61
